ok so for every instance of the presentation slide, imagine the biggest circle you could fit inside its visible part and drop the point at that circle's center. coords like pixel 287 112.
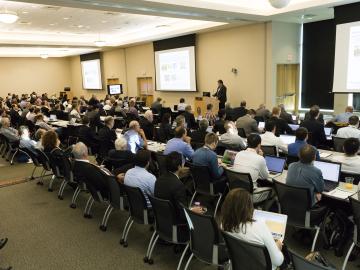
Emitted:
pixel 175 70
pixel 347 58
pixel 91 74
pixel 115 89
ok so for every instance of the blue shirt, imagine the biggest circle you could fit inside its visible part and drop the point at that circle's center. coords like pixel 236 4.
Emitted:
pixel 178 145
pixel 343 117
pixel 206 157
pixel 141 178
pixel 294 149
pixel 134 140
pixel 305 175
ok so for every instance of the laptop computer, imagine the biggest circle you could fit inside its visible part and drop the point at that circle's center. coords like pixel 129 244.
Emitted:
pixel 331 173
pixel 275 165
pixel 294 127
pixel 288 139
pixel 261 125
pixel 274 221
pixel 294 117
pixel 229 157
pixel 328 133
pixel 53 118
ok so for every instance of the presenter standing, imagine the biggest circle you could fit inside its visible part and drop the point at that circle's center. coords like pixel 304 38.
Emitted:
pixel 221 94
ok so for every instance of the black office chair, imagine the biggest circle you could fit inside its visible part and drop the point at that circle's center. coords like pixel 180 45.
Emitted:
pixel 197 145
pixel 339 144
pixel 242 133
pixel 56 164
pixel 241 251
pixel 291 159
pixel 205 185
pixel 300 263
pixel 45 162
pixel 161 163
pixel 269 150
pixel 68 176
pixel 34 159
pixel 167 227
pixel 220 150
pixel 138 211
pixel 355 206
pixel 206 242
pixel 300 214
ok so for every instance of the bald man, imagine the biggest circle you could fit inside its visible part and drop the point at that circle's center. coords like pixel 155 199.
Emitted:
pixel 344 117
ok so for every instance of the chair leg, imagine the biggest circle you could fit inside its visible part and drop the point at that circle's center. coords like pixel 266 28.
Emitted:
pixel 61 190
pixel 128 230
pixel 188 261
pixel 192 199
pixel 124 230
pixel 217 205
pixel 149 246
pixel 151 261
pixel 74 197
pixel 315 239
pixel 12 158
pixel 50 189
pixel 33 172
pixel 105 219
pixel 88 207
pixel 182 256
pixel 347 256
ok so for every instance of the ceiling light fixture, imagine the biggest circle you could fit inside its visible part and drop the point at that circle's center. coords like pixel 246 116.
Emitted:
pixel 8 17
pixel 279 3
pixel 100 43
pixel 44 55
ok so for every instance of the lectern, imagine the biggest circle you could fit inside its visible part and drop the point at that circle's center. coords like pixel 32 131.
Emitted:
pixel 202 102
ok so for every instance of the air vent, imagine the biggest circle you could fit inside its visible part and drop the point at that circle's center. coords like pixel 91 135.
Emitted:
pixel 110 13
pixel 24 23
pixel 53 8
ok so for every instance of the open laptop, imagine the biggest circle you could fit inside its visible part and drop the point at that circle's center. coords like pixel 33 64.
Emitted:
pixel 274 221
pixel 294 127
pixel 53 118
pixel 294 117
pixel 229 157
pixel 331 173
pixel 261 125
pixel 288 139
pixel 328 132
pixel 275 165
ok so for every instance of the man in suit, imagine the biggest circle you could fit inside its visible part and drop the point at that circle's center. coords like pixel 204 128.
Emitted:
pixel 190 118
pixel 281 126
pixel 88 135
pixel 248 123
pixel 198 136
pixel 239 111
pixel 94 116
pixel 320 118
pixel 169 186
pixel 285 115
pixel 146 123
pixel 221 94
pixel 107 137
pixel 314 127
pixel 219 124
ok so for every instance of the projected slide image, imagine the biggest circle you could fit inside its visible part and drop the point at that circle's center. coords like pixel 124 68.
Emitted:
pixel 91 73
pixel 353 75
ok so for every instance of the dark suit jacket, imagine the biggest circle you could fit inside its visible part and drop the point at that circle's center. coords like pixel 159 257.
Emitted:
pixel 165 132
pixel 107 138
pixel 318 136
pixel 281 126
pixel 221 94
pixel 94 118
pixel 198 136
pixel 148 128
pixel 219 126
pixel 287 117
pixel 126 155
pixel 229 114
pixel 320 118
pixel 15 118
pixel 88 136
pixel 169 187
pixel 190 120
pixel 238 112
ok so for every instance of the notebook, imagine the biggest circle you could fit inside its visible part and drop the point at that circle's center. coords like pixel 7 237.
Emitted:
pixel 274 221
pixel 275 165
pixel 229 157
pixel 331 173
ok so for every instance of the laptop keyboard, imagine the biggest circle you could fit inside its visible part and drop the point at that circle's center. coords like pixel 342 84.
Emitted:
pixel 328 186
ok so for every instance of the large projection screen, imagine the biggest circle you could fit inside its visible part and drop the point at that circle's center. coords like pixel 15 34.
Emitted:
pixel 347 58
pixel 91 74
pixel 175 69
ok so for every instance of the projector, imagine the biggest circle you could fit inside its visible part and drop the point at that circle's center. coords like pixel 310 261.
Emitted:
pixel 279 3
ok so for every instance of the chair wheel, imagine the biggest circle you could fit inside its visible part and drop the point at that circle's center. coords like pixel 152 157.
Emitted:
pixel 60 197
pixel 50 190
pixel 40 183
pixel 103 228
pixel 125 245
pixel 87 216
pixel 146 259
pixel 11 163
pixel 73 205
pixel 122 241
pixel 150 261
pixel 32 178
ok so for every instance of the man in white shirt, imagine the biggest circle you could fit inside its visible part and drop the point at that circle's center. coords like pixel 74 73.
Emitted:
pixel 182 105
pixel 231 138
pixel 350 162
pixel 351 131
pixel 269 138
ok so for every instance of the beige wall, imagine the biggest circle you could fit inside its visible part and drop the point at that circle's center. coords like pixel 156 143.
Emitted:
pixel 25 75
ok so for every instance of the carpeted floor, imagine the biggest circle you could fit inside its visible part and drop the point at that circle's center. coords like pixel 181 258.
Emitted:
pixel 44 233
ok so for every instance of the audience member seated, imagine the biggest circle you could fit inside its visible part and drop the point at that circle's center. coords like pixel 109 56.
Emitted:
pixel 263 112
pixel 281 126
pixel 132 109
pixel 240 111
pixel 315 127
pixel 38 137
pixel 206 156
pixel 351 131
pixel 229 112
pixel 269 138
pixel 304 174
pixel 140 177
pixel 209 115
pixel 146 124
pixel 88 135
pixel 231 138
pixel 93 101
pixel 75 112
pixel 301 135
pixel 219 124
pixel 169 186
pixel 135 137
pixel 248 123
pixel 285 115
pixel 107 137
pixel 25 141
pixel 40 122
pixel 237 218
pixel 189 118
pixel 15 118
pixel 320 118
pixel 157 105
pixel 31 114
pixel 180 143
pixel 182 105
pixel 344 117
pixel 198 136
pixel 10 133
pixel 107 106
pixel 165 131
pixel 121 151
pixel 94 116
pixel 350 161
pixel 251 160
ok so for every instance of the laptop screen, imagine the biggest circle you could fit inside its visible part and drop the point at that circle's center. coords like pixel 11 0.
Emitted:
pixel 294 118
pixel 294 127
pixel 261 125
pixel 275 164
pixel 328 131
pixel 288 139
pixel 229 157
pixel 330 171
pixel 52 117
pixel 274 221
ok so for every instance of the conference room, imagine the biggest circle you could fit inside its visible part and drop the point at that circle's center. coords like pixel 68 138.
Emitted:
pixel 179 134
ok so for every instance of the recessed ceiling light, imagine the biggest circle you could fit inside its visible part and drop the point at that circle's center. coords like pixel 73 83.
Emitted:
pixel 80 26
pixel 66 18
pixel 25 12
pixel 52 24
pixel 100 43
pixel 8 17
pixel 103 21
pixel 162 26
pixel 308 16
pixel 44 55
pixel 24 23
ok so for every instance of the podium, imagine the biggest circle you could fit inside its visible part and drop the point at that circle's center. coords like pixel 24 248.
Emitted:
pixel 201 103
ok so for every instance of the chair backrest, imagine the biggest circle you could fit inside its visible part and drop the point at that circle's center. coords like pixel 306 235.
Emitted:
pixel 301 263
pixel 161 162
pixel 294 202
pixel 220 150
pixel 338 144
pixel 165 218
pixel 355 206
pixel 32 155
pixel 197 145
pixel 269 150
pixel 115 191
pixel 95 181
pixel 241 251
pixel 241 132
pixel 202 179
pixel 291 159
pixel 43 159
pixel 114 163
pixel 204 235
pixel 137 204
pixel 240 180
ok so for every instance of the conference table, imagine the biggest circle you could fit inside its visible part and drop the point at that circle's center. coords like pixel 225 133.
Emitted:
pixel 63 124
